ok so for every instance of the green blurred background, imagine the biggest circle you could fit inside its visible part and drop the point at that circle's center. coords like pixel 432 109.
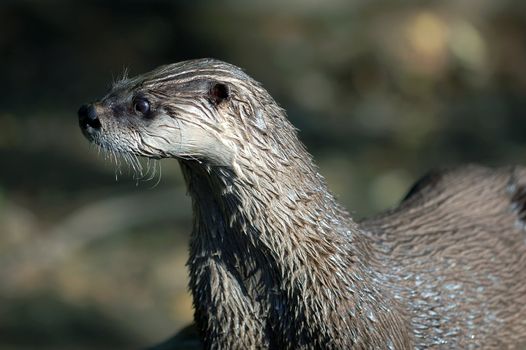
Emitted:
pixel 380 90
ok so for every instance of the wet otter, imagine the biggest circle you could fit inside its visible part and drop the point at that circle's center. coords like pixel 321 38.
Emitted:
pixel 275 262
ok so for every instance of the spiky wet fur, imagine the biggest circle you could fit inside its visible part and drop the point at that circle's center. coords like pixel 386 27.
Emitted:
pixel 276 263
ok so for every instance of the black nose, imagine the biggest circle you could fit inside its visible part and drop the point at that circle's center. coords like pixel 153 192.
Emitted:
pixel 88 117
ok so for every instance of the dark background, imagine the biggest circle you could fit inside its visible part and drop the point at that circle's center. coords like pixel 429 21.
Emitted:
pixel 381 92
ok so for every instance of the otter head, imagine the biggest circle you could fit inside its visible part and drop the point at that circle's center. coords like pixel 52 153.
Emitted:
pixel 202 109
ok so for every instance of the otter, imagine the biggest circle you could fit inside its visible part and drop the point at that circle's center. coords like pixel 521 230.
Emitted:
pixel 275 262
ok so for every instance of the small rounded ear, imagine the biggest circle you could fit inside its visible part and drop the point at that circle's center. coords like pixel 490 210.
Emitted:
pixel 218 93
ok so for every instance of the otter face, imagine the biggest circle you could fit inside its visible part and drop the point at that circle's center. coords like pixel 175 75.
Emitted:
pixel 189 110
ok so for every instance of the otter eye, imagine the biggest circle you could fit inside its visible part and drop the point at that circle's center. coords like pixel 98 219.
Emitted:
pixel 141 105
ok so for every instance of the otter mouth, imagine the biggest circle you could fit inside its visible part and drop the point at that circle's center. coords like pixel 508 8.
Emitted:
pixel 124 157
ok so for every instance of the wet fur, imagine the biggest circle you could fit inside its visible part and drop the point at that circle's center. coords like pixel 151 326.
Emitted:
pixel 275 262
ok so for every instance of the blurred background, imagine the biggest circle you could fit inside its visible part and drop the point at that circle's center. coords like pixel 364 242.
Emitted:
pixel 381 92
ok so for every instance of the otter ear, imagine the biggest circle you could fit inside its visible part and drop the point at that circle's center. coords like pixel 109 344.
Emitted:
pixel 218 93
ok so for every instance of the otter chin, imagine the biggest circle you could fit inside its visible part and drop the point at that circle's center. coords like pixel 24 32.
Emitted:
pixel 275 262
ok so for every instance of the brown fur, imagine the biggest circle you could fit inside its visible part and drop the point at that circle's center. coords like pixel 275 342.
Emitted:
pixel 276 263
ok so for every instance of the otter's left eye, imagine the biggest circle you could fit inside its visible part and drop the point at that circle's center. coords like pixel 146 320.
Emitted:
pixel 141 105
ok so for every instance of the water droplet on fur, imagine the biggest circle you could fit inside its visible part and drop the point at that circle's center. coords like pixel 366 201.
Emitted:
pixel 370 315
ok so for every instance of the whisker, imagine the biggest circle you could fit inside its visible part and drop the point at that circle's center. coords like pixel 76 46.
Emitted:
pixel 160 174
pixel 151 171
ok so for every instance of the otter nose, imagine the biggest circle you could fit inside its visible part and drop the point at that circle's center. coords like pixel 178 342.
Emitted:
pixel 88 117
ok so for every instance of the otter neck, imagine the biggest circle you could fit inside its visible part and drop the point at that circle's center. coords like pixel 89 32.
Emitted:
pixel 281 214
pixel 289 252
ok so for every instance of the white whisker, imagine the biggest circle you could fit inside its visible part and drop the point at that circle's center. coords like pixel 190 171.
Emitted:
pixel 159 172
